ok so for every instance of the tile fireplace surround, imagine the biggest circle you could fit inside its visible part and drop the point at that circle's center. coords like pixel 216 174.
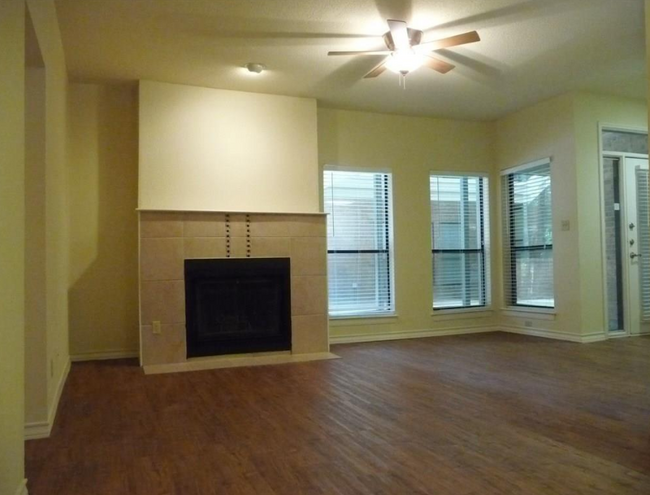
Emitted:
pixel 168 238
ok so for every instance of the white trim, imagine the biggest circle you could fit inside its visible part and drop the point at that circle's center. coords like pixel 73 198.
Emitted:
pixel 345 168
pixel 22 488
pixel 382 318
pixel 603 230
pixel 218 362
pixel 602 154
pixel 37 430
pixel 524 166
pixel 232 212
pixel 459 173
pixel 103 355
pixel 416 334
pixel 459 312
pixel 483 211
pixel 392 288
pixel 555 334
pixel 622 154
pixel 531 332
pixel 529 312
pixel 43 429
pixel 604 126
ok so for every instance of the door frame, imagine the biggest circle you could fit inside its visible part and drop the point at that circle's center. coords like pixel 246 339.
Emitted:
pixel 603 126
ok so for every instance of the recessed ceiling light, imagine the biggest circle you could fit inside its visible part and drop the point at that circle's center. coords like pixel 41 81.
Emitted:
pixel 254 68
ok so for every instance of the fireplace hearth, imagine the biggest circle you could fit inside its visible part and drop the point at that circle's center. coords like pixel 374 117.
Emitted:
pixel 237 306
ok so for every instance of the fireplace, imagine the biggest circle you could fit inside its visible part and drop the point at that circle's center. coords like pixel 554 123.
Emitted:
pixel 237 306
pixel 220 244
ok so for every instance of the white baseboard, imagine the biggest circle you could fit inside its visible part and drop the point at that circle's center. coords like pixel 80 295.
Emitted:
pixel 42 429
pixel 22 488
pixel 555 334
pixel 104 355
pixel 37 430
pixel 416 334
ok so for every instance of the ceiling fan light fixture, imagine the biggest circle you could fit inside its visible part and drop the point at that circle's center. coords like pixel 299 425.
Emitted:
pixel 404 61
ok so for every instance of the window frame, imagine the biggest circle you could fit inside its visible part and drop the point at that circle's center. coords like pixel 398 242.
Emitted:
pixel 388 237
pixel 509 239
pixel 484 250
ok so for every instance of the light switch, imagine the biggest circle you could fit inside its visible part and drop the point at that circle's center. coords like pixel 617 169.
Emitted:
pixel 156 328
pixel 566 225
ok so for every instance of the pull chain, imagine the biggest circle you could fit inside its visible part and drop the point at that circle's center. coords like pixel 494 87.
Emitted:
pixel 402 80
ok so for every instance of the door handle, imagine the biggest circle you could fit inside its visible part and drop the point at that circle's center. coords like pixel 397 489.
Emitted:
pixel 634 255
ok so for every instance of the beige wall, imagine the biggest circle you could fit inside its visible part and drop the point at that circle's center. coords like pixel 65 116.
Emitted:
pixel 566 128
pixel 411 147
pixel 590 111
pixel 546 130
pixel 12 226
pixel 103 174
pixel 208 149
pixel 54 338
pixel 51 338
pixel 36 371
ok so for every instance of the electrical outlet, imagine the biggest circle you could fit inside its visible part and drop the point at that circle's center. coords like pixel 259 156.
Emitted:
pixel 528 323
pixel 566 225
pixel 156 328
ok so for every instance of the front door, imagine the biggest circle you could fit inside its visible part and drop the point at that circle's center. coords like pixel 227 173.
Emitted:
pixel 636 244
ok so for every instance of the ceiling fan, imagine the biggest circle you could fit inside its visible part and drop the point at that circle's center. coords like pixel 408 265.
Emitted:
pixel 406 53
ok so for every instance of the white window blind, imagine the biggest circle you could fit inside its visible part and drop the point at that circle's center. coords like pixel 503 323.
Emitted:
pixel 460 241
pixel 528 236
pixel 359 242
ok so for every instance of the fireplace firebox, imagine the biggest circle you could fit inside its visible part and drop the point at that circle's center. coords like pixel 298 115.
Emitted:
pixel 238 305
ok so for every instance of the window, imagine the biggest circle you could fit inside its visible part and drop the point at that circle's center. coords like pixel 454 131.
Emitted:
pixel 460 241
pixel 359 242
pixel 528 232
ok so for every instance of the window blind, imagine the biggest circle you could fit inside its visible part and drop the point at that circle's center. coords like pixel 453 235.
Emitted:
pixel 460 241
pixel 528 237
pixel 359 242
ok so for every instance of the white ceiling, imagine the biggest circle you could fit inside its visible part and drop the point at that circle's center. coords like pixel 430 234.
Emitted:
pixel 530 49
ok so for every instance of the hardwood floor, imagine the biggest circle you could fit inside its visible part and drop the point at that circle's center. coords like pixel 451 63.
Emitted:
pixel 478 414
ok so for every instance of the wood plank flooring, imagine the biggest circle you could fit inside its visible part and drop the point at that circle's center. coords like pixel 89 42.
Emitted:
pixel 468 415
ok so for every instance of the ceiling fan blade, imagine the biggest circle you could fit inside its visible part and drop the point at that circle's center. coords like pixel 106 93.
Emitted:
pixel 378 70
pixel 437 64
pixel 399 32
pixel 459 39
pixel 369 52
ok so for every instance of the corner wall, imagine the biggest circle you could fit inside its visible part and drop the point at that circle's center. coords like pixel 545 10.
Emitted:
pixel 53 255
pixel 12 226
pixel 590 111
pixel 103 197
pixel 541 131
pixel 567 129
